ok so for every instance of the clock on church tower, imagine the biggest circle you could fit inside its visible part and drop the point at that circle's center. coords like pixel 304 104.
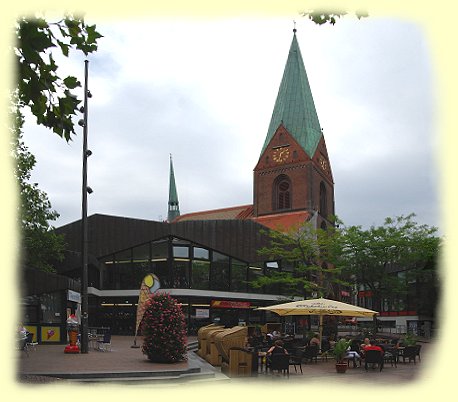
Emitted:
pixel 293 172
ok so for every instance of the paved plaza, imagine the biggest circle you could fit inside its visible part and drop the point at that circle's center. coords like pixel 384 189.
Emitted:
pixel 127 365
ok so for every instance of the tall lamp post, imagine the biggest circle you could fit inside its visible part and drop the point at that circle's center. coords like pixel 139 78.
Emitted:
pixel 85 191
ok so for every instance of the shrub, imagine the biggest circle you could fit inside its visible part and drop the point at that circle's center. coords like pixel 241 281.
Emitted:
pixel 164 329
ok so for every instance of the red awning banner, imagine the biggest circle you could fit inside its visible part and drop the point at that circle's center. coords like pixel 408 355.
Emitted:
pixel 229 304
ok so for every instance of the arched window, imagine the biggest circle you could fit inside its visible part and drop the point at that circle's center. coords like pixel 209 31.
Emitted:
pixel 282 193
pixel 323 200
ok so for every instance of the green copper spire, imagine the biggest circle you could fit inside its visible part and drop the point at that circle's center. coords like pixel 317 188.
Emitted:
pixel 294 107
pixel 174 209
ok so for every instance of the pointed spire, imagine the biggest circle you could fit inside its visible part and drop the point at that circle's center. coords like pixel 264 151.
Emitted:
pixel 174 209
pixel 294 107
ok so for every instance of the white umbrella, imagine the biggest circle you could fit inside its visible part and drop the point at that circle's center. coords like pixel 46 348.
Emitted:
pixel 320 307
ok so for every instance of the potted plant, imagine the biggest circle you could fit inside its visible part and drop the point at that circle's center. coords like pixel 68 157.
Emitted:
pixel 409 340
pixel 339 352
pixel 164 330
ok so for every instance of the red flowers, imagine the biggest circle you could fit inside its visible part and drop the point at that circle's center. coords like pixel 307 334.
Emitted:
pixel 164 329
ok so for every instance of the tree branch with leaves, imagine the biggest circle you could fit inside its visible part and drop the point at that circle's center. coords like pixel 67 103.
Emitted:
pixel 40 88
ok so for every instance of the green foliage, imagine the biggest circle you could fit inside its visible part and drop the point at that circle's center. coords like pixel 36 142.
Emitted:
pixel 39 85
pixel 310 252
pixel 374 257
pixel 40 245
pixel 340 349
pixel 321 17
pixel 164 330
pixel 409 340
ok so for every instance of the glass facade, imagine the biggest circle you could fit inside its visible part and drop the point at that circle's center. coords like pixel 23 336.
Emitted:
pixel 181 265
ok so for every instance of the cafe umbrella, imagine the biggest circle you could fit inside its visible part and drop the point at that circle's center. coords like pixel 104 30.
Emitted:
pixel 320 307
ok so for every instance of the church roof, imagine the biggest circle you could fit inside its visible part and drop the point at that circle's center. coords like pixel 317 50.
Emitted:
pixel 281 221
pixel 294 107
pixel 238 212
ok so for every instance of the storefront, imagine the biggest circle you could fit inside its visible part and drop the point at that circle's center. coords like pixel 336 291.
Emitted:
pixel 49 299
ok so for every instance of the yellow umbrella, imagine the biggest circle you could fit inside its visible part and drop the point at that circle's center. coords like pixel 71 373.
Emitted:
pixel 320 307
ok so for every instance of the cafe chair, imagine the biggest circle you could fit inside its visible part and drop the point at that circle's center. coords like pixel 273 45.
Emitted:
pixel 280 363
pixel 373 357
pixel 418 351
pixel 391 356
pixel 410 352
pixel 311 353
pixel 22 346
pixel 104 345
pixel 295 359
pixel 30 343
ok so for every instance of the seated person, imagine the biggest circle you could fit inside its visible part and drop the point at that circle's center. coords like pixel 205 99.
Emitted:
pixel 352 353
pixel 277 348
pixel 315 341
pixel 276 334
pixel 365 343
pixel 373 346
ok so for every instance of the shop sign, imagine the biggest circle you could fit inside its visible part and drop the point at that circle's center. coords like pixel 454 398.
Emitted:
pixel 202 313
pixel 73 296
pixel 229 304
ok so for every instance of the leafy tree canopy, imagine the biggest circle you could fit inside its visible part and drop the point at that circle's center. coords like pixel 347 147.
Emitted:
pixel 306 255
pixel 374 257
pixel 40 245
pixel 39 85
pixel 321 17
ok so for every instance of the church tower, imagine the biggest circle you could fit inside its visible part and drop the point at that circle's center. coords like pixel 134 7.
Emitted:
pixel 174 208
pixel 293 172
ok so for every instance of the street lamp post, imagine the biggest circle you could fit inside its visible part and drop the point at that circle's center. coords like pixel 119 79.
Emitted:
pixel 84 275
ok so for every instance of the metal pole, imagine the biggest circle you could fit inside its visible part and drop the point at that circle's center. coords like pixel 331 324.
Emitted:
pixel 84 278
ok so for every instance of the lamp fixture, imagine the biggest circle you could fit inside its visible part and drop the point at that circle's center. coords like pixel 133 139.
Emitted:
pixel 89 190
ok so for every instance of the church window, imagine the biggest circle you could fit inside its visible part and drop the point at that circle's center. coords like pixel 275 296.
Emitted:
pixel 282 193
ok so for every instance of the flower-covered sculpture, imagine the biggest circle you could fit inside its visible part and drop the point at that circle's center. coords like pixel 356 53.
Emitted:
pixel 164 329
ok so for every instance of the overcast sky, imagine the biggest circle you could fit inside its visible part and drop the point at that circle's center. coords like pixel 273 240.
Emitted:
pixel 204 91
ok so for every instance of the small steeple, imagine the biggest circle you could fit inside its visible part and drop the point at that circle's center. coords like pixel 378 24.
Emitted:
pixel 174 208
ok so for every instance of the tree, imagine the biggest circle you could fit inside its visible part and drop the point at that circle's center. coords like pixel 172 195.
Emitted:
pixel 321 17
pixel 40 245
pixel 39 86
pixel 387 259
pixel 308 252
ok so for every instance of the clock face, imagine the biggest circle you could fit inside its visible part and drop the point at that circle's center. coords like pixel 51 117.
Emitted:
pixel 280 154
pixel 323 163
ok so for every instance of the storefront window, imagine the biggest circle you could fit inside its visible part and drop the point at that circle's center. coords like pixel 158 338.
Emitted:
pixel 51 307
pixel 271 268
pixel 254 272
pixel 200 274
pixel 141 262
pixel 161 269
pixel 180 274
pixel 201 253
pixel 159 250
pixel 181 251
pixel 219 272
pixel 238 276
pixel 126 278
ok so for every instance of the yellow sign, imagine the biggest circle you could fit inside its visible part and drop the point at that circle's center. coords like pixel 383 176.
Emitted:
pixel 33 329
pixel 50 334
pixel 149 285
